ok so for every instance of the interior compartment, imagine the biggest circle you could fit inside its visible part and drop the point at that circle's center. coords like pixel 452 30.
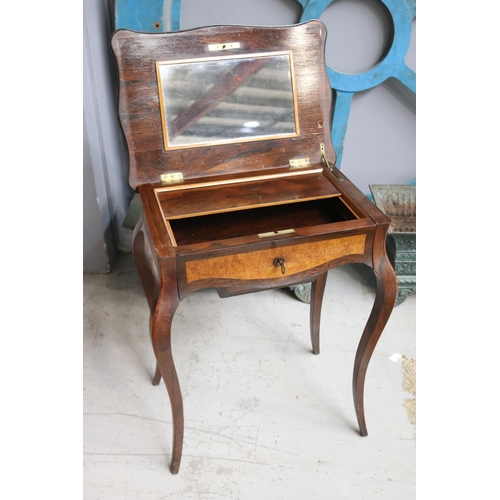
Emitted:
pixel 220 226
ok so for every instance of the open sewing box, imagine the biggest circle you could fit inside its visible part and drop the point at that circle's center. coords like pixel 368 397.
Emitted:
pixel 228 131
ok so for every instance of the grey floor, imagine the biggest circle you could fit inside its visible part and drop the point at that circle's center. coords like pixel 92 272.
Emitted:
pixel 264 417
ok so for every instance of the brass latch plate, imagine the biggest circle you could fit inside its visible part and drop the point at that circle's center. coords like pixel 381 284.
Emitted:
pixel 276 233
pixel 224 46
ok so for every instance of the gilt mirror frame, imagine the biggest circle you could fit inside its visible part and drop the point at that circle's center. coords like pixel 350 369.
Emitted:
pixel 201 106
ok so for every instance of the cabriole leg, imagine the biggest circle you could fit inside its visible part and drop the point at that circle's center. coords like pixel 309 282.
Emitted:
pixel 384 303
pixel 317 292
pixel 155 276
pixel 161 337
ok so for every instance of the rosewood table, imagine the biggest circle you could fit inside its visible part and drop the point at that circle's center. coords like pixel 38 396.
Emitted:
pixel 228 133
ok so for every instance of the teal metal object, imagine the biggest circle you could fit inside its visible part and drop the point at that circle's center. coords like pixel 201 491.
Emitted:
pixel 141 15
pixel 175 15
pixel 148 16
pixel 392 65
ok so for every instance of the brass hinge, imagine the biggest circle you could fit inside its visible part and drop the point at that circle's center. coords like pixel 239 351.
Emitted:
pixel 172 178
pixel 328 164
pixel 299 163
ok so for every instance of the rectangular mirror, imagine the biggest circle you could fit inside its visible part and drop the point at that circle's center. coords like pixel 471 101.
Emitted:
pixel 220 100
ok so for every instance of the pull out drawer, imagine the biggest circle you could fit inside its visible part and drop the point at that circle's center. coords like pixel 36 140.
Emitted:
pixel 274 262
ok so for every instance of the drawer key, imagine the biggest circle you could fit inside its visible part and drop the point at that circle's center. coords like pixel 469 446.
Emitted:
pixel 280 262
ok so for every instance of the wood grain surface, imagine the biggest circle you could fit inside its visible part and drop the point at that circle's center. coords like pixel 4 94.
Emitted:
pixel 260 264
pixel 139 102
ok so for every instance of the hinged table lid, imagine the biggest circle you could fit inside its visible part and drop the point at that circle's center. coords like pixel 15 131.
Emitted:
pixel 223 100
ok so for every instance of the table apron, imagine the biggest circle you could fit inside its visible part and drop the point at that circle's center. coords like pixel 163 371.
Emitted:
pixel 262 264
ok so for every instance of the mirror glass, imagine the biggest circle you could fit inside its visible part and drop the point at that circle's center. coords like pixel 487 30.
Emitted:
pixel 227 99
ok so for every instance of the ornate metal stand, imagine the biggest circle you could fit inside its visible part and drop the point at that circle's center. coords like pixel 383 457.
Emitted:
pixel 399 203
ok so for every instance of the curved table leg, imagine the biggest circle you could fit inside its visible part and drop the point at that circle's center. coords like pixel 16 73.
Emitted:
pixel 317 292
pixel 384 303
pixel 161 337
pixel 157 375
pixel 160 286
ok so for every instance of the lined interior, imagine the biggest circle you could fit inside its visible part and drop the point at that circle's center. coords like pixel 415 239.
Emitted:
pixel 219 226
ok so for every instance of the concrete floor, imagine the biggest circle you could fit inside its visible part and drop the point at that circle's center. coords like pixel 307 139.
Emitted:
pixel 264 417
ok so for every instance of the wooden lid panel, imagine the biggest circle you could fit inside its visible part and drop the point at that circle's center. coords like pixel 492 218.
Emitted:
pixel 139 104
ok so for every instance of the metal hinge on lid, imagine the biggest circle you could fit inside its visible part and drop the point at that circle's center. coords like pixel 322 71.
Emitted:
pixel 172 178
pixel 299 163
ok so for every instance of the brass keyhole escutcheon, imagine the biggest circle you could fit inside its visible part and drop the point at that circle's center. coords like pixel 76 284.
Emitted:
pixel 280 262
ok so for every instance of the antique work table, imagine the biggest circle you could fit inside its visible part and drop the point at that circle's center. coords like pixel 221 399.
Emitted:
pixel 228 132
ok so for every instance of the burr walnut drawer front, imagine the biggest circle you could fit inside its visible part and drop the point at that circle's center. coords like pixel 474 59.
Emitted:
pixel 274 262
